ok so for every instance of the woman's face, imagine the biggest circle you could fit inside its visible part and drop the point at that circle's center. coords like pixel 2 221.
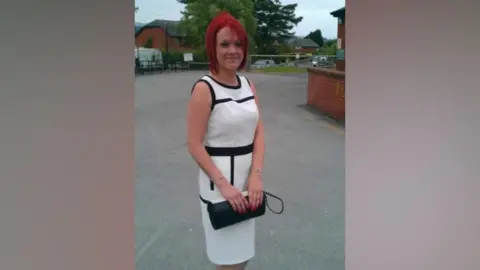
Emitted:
pixel 229 49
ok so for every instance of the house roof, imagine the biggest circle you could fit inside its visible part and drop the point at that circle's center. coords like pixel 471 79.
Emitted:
pixel 339 13
pixel 172 27
pixel 138 26
pixel 302 42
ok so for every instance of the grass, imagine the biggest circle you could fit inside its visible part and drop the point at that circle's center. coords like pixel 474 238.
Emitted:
pixel 281 70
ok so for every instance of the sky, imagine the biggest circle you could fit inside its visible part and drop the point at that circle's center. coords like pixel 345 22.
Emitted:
pixel 315 13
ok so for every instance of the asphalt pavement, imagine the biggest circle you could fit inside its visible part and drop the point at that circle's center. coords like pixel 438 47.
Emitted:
pixel 304 165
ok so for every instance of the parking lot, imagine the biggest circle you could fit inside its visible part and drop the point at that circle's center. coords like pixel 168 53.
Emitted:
pixel 304 165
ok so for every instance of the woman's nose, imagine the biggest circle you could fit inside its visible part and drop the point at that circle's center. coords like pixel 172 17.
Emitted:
pixel 232 49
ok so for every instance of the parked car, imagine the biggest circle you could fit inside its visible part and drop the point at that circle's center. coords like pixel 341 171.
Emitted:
pixel 319 60
pixel 263 63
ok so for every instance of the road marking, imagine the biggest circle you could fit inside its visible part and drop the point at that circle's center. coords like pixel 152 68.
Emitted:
pixel 147 245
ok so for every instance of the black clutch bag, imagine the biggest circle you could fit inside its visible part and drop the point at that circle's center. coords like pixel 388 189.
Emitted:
pixel 222 214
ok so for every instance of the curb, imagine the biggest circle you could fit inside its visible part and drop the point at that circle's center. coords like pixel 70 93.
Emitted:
pixel 321 116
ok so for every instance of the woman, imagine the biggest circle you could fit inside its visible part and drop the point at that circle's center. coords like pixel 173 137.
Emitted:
pixel 226 139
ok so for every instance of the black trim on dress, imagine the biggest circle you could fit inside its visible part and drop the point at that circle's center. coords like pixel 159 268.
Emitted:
pixel 223 100
pixel 238 86
pixel 231 152
pixel 232 170
pixel 212 92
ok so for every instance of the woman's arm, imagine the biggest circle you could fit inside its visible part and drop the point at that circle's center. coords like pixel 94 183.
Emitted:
pixel 259 140
pixel 255 185
pixel 198 114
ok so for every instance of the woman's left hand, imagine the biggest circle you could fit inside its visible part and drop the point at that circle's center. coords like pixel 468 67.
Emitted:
pixel 255 191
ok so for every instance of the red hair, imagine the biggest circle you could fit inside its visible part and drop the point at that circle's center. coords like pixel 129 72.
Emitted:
pixel 224 19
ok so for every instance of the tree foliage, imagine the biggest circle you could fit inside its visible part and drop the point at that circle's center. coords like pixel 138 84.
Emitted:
pixel 274 23
pixel 266 21
pixel 197 14
pixel 148 43
pixel 316 36
pixel 329 47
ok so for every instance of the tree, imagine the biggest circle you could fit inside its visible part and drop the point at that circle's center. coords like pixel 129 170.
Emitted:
pixel 197 14
pixel 329 47
pixel 148 43
pixel 274 23
pixel 266 21
pixel 317 37
pixel 329 42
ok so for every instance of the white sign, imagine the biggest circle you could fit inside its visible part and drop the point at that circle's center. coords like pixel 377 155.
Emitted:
pixel 339 43
pixel 297 56
pixel 188 57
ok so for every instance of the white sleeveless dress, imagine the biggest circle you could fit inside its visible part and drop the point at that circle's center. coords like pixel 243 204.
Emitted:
pixel 229 141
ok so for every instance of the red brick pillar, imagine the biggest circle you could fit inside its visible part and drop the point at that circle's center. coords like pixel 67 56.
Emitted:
pixel 341 35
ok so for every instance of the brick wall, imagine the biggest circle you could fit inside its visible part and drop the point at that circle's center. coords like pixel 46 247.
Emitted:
pixel 159 40
pixel 326 91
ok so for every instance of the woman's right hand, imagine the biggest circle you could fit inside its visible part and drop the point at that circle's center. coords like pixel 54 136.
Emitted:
pixel 234 197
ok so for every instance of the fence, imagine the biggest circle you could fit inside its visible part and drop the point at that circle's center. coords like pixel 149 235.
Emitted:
pixel 255 62
pixel 152 67
pixel 304 61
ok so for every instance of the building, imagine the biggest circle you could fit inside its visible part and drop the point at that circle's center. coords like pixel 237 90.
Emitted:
pixel 302 45
pixel 138 26
pixel 340 15
pixel 161 34
pixel 326 87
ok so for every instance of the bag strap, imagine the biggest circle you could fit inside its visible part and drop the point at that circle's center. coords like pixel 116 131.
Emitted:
pixel 204 201
pixel 274 196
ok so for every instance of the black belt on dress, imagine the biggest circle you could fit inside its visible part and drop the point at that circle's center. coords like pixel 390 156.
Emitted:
pixel 229 152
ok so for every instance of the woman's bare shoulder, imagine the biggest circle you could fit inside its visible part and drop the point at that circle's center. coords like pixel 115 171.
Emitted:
pixel 201 93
